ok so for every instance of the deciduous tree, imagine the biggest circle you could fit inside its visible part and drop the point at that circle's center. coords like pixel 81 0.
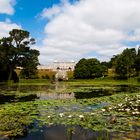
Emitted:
pixel 14 50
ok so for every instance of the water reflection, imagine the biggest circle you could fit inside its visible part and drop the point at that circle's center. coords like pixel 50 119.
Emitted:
pixel 27 88
pixel 12 98
pixel 60 132
pixel 57 86
pixel 42 92
pixel 48 96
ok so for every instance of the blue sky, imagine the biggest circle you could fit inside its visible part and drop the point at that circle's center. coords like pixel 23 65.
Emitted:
pixel 68 30
pixel 27 15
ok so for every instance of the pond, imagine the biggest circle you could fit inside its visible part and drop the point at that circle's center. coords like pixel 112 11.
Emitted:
pixel 62 112
pixel 61 91
pixel 60 132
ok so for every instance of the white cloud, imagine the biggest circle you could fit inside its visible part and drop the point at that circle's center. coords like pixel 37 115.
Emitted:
pixel 90 27
pixel 51 12
pixel 7 26
pixel 6 6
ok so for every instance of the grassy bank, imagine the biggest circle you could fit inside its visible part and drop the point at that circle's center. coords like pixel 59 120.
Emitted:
pixel 98 81
pixel 103 81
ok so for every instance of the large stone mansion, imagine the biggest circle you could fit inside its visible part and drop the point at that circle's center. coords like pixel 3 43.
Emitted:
pixel 59 65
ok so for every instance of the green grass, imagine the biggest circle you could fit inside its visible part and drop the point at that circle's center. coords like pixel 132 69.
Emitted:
pixel 103 81
pixel 98 81
pixel 34 82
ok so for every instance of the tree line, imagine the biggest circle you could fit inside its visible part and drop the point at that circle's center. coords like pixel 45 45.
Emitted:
pixel 15 52
pixel 124 65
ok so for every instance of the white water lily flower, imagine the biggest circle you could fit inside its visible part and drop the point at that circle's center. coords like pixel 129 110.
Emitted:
pixel 133 113
pixel 137 112
pixel 61 114
pixel 138 101
pixel 92 114
pixel 120 105
pixel 110 108
pixel 127 109
pixel 49 116
pixel 69 116
pixel 121 109
pixel 103 110
pixel 81 116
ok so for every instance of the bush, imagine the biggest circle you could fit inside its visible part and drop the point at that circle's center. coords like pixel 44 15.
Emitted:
pixel 89 69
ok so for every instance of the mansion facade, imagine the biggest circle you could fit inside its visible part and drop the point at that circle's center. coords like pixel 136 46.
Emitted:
pixel 59 65
pixel 67 66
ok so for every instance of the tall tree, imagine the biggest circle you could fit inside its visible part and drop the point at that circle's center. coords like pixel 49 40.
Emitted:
pixel 125 63
pixel 81 71
pixel 88 68
pixel 137 62
pixel 29 64
pixel 14 50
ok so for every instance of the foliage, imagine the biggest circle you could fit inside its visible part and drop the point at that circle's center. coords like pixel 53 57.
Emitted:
pixel 121 66
pixel 16 117
pixel 137 62
pixel 15 51
pixel 89 68
pixel 125 63
pixel 29 64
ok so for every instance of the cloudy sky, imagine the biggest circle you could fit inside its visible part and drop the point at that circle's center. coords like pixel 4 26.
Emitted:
pixel 72 29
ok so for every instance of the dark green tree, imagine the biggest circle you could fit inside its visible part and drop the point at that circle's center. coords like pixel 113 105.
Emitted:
pixel 125 64
pixel 81 71
pixel 104 68
pixel 14 50
pixel 137 62
pixel 88 68
pixel 112 62
pixel 29 64
pixel 121 68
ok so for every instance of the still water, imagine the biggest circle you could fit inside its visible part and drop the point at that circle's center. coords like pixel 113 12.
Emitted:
pixel 60 132
pixel 48 92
